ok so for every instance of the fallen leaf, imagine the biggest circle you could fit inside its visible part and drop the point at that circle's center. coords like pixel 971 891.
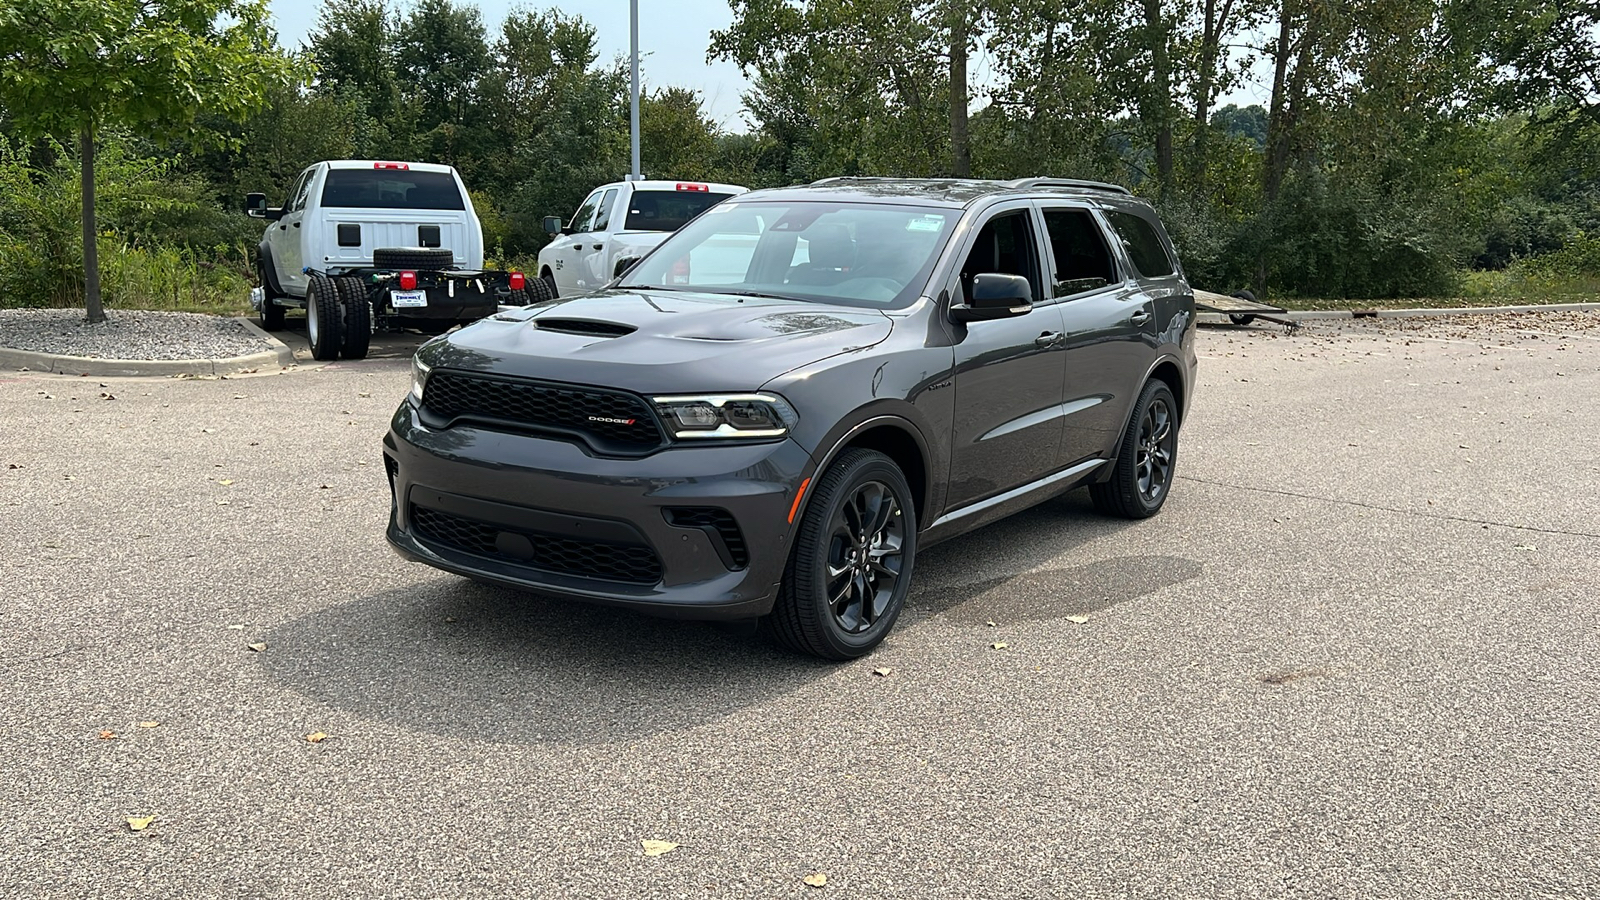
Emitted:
pixel 999 645
pixel 1077 620
pixel 235 627
pixel 106 396
pixel 139 823
pixel 316 737
pixel 990 623
pixel 225 482
pixel 224 502
pixel 107 734
pixel 323 488
pixel 883 672
pixel 257 647
pixel 816 879
pixel 150 724
pixel 656 848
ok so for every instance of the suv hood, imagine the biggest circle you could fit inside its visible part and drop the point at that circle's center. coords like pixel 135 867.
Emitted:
pixel 655 341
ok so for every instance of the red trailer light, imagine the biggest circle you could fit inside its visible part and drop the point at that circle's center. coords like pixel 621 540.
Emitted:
pixel 518 281
pixel 683 186
pixel 408 281
pixel 401 166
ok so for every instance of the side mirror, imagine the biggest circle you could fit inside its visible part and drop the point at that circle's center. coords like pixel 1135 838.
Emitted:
pixel 552 224
pixel 255 205
pixel 995 296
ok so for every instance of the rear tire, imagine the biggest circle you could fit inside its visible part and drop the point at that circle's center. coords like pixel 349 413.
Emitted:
pixel 537 291
pixel 413 258
pixel 357 317
pixel 549 280
pixel 324 318
pixel 850 565
pixel 1243 318
pixel 1146 459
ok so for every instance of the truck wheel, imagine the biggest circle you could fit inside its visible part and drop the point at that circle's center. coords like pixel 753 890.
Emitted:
pixel 271 313
pixel 1243 318
pixel 537 291
pixel 850 566
pixel 1146 458
pixel 357 317
pixel 549 280
pixel 324 318
pixel 412 258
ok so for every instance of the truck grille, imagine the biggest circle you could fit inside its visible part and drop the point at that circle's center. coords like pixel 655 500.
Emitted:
pixel 630 563
pixel 612 421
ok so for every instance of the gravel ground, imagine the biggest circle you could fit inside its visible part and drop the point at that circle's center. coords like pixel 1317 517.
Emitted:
pixel 127 334
pixel 1354 657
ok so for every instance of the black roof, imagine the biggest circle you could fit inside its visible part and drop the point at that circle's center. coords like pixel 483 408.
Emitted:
pixel 944 192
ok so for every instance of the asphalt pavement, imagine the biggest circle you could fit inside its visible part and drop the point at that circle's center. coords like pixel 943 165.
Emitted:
pixel 1353 657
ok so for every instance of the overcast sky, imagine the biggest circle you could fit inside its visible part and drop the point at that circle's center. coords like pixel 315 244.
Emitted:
pixel 673 37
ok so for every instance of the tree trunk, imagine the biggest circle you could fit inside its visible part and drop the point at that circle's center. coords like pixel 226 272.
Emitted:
pixel 1215 27
pixel 1277 150
pixel 91 253
pixel 1160 111
pixel 960 150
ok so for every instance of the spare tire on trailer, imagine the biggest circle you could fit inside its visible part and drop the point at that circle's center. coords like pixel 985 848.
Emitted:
pixel 412 258
pixel 537 291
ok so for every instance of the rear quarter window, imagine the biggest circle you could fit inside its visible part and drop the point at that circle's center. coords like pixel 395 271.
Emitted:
pixel 1145 247
pixel 391 189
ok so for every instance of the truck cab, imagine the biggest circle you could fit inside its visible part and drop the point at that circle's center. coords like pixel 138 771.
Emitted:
pixel 618 223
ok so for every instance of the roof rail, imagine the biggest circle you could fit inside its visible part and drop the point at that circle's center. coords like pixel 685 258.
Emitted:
pixel 1069 183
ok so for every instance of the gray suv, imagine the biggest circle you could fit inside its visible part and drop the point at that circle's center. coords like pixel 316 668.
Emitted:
pixel 772 412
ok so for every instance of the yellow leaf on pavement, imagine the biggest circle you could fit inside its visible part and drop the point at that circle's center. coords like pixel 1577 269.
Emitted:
pixel 139 823
pixel 225 482
pixel 884 672
pixel 148 724
pixel 999 645
pixel 107 734
pixel 316 737
pixel 656 848
pixel 816 879
pixel 1077 620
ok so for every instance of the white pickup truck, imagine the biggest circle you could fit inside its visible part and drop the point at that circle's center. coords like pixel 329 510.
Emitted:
pixel 364 245
pixel 617 224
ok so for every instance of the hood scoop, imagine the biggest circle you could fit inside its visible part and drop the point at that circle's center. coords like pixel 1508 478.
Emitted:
pixel 584 327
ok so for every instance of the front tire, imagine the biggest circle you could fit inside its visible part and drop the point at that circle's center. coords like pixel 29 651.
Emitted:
pixel 324 318
pixel 1146 458
pixel 850 565
pixel 271 313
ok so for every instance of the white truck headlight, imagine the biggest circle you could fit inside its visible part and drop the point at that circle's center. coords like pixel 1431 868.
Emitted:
pixel 721 416
pixel 419 377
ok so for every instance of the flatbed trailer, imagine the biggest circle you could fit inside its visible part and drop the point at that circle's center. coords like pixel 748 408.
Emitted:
pixel 1241 307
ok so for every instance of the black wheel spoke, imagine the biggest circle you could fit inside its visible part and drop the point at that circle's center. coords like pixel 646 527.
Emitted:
pixel 862 571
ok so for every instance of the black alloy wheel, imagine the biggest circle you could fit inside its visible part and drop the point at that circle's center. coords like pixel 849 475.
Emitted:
pixel 1146 459
pixel 850 561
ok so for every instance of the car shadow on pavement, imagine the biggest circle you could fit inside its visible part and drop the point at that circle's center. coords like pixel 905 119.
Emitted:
pixel 454 657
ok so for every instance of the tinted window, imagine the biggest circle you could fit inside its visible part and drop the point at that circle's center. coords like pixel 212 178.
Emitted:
pixel 584 217
pixel 391 189
pixel 1083 262
pixel 667 210
pixel 1144 245
pixel 854 254
pixel 295 190
pixel 1004 246
pixel 602 218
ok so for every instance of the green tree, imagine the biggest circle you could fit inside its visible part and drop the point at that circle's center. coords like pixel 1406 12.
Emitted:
pixel 77 66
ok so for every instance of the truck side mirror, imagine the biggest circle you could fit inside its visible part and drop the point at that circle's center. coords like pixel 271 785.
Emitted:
pixel 552 224
pixel 255 205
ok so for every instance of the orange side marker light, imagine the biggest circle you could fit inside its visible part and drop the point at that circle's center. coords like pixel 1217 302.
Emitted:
pixel 795 506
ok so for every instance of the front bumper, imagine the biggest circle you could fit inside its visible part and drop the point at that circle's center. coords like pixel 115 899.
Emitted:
pixel 547 515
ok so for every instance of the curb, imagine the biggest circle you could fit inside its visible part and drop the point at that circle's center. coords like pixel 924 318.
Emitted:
pixel 1314 314
pixel 279 354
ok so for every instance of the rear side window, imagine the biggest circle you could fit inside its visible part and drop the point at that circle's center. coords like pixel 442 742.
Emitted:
pixel 667 210
pixel 1083 263
pixel 391 189
pixel 602 218
pixel 1145 247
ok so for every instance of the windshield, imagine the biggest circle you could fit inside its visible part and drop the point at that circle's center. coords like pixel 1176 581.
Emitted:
pixel 857 254
pixel 391 189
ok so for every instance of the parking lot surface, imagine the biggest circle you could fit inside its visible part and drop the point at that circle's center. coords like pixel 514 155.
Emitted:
pixel 1353 657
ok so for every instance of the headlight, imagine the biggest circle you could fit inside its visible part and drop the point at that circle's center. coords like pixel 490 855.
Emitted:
pixel 726 416
pixel 419 377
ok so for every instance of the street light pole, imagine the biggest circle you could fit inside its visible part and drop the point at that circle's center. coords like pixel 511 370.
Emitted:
pixel 633 110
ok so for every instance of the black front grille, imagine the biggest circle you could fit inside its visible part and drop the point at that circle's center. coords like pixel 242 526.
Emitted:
pixel 718 522
pixel 631 563
pixel 613 421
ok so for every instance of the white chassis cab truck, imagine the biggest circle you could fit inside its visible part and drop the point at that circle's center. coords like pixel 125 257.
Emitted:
pixel 616 226
pixel 364 245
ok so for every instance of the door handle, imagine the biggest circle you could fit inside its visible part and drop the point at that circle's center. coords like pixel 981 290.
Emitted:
pixel 283 228
pixel 599 246
pixel 1139 318
pixel 1049 339
pixel 297 224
